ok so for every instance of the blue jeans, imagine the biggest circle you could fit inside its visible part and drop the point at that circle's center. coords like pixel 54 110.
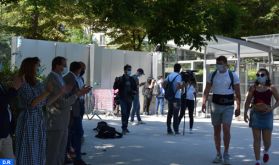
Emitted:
pixel 160 102
pixel 136 108
pixel 125 112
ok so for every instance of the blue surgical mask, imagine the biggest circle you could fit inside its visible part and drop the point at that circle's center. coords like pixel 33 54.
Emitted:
pixel 262 80
pixel 39 71
pixel 129 72
pixel 1 67
pixel 65 71
pixel 220 67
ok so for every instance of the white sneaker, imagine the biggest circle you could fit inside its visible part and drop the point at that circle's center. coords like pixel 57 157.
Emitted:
pixel 141 122
pixel 226 159
pixel 218 159
pixel 191 131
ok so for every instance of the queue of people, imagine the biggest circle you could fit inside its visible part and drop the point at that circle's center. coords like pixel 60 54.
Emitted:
pixel 45 109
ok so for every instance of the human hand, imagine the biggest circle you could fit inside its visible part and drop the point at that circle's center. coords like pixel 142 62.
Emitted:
pixel 18 81
pixel 237 112
pixel 203 108
pixel 84 90
pixel 246 118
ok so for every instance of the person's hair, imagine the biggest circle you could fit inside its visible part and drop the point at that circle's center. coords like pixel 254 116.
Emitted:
pixel 82 64
pixel 149 80
pixel 222 58
pixel 27 68
pixel 57 61
pixel 126 67
pixel 159 77
pixel 74 66
pixel 268 82
pixel 176 67
pixel 36 59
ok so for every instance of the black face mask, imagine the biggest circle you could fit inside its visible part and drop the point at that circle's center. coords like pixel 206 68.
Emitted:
pixel 82 73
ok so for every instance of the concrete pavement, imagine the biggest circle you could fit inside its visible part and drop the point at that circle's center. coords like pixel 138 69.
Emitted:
pixel 148 144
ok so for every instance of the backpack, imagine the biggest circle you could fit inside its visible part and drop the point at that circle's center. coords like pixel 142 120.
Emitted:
pixel 104 131
pixel 156 90
pixel 231 77
pixel 169 93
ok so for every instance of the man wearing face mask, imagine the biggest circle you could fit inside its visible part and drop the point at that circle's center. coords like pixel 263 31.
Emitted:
pixel 224 85
pixel 136 101
pixel 58 113
pixel 127 88
pixel 81 84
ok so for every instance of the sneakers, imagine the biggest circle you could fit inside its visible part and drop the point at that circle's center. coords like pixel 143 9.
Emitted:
pixel 191 131
pixel 125 131
pixel 265 158
pixel 218 159
pixel 141 122
pixel 226 159
pixel 170 132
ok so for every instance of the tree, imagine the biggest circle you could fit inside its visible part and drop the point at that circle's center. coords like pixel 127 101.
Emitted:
pixel 185 22
pixel 258 17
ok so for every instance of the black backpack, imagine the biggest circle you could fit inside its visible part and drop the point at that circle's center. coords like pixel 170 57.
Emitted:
pixel 169 93
pixel 104 131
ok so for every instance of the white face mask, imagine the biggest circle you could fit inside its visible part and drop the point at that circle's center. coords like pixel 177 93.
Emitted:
pixel 129 73
pixel 65 71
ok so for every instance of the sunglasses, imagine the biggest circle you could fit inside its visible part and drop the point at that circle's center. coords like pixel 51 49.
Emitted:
pixel 260 75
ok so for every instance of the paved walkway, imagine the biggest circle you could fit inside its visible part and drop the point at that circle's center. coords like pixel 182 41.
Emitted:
pixel 149 144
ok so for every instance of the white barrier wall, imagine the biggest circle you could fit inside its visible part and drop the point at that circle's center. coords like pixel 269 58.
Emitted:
pixel 103 65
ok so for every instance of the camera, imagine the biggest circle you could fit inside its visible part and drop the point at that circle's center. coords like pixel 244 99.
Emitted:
pixel 188 75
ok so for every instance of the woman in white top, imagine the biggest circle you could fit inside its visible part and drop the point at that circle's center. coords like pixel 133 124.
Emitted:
pixel 188 101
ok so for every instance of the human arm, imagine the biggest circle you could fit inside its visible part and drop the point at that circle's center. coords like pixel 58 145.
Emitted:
pixel 205 96
pixel 276 96
pixel 237 98
pixel 249 97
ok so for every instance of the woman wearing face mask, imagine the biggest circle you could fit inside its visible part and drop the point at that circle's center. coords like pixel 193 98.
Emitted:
pixel 31 128
pixel 261 115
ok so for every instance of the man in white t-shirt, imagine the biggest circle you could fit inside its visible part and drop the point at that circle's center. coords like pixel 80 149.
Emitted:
pixel 174 105
pixel 224 84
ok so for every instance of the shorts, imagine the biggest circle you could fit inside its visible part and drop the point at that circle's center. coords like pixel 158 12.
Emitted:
pixel 221 114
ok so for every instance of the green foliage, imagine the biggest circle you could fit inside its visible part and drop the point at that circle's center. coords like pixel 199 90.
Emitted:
pixel 7 74
pixel 252 74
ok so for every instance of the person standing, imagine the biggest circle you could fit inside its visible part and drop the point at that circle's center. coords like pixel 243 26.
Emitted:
pixel 76 120
pixel 188 101
pixel 159 92
pixel 174 104
pixel 58 113
pixel 127 90
pixel 7 94
pixel 31 126
pixel 136 101
pixel 261 115
pixel 224 84
pixel 147 92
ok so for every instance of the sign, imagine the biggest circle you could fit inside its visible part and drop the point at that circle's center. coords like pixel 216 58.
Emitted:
pixel 6 161
pixel 103 99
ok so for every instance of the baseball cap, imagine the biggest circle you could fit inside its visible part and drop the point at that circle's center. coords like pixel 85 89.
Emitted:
pixel 140 70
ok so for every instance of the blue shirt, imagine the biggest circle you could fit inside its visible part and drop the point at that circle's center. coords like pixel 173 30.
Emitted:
pixel 178 80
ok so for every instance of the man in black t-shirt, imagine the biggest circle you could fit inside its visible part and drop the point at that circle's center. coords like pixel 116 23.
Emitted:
pixel 127 89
